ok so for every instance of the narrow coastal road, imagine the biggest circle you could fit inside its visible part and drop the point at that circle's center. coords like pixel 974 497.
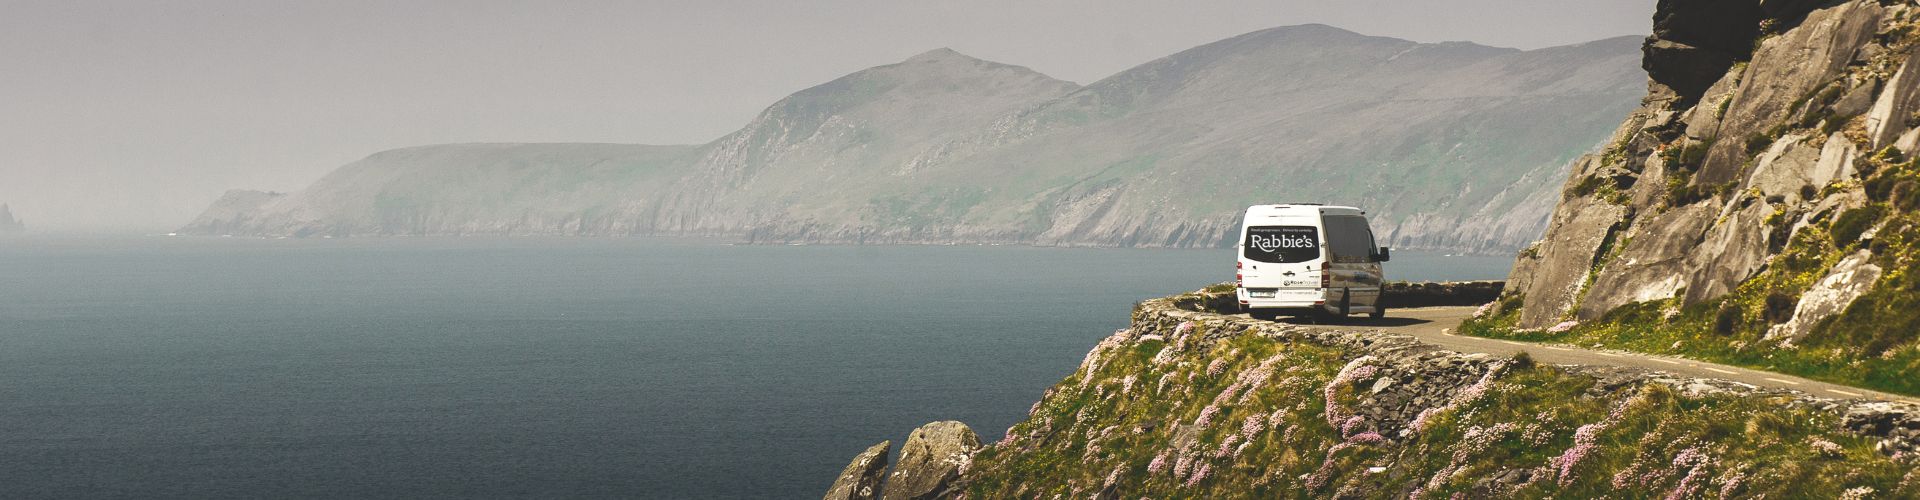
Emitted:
pixel 1434 325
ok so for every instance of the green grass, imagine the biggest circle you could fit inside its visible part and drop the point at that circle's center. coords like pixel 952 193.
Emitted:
pixel 1086 437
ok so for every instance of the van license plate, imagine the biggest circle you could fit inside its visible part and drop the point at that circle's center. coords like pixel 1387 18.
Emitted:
pixel 1260 294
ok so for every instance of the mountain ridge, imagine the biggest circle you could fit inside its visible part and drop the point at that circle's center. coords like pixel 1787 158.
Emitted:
pixel 945 148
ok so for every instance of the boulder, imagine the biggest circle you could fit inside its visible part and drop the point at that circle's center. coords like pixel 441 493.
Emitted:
pixel 861 479
pixel 1556 270
pixel 1836 161
pixel 1653 264
pixel 1848 280
pixel 1785 168
pixel 1733 250
pixel 1890 114
pixel 931 462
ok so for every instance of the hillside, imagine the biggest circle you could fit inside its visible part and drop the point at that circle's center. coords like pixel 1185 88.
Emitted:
pixel 1454 146
pixel 1189 403
pixel 1760 209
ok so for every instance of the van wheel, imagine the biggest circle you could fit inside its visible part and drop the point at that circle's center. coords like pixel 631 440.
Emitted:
pixel 1379 312
pixel 1264 314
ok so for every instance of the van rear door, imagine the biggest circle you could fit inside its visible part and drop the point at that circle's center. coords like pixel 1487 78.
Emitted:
pixel 1277 259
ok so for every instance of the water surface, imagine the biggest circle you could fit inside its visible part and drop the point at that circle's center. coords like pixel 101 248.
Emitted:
pixel 409 368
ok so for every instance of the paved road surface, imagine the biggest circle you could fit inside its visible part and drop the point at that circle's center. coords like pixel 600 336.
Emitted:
pixel 1434 325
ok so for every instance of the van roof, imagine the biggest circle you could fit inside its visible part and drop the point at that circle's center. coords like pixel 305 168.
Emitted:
pixel 1301 209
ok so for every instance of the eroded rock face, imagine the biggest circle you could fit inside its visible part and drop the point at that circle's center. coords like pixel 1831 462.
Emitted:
pixel 1715 174
pixel 1557 272
pixel 1890 114
pixel 1695 41
pixel 1851 278
pixel 931 462
pixel 1784 71
pixel 861 479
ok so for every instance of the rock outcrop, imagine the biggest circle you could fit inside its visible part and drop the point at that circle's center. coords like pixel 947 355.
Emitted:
pixel 1450 146
pixel 1759 119
pixel 862 478
pixel 1430 294
pixel 931 462
pixel 1189 402
pixel 8 224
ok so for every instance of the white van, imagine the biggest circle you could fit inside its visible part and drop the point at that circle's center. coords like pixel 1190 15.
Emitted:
pixel 1308 259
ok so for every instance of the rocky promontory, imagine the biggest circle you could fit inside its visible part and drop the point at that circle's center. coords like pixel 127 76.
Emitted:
pixel 1190 402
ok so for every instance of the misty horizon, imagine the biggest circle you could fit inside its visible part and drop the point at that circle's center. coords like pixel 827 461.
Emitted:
pixel 131 118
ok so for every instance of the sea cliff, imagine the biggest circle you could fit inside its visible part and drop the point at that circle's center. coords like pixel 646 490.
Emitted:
pixel 1188 401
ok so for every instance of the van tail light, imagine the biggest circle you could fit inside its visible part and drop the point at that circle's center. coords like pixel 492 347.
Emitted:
pixel 1326 274
pixel 1239 265
pixel 1236 280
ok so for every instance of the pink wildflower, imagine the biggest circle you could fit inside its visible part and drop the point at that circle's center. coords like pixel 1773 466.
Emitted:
pixel 1226 446
pixel 1253 426
pixel 1858 493
pixel 1206 416
pixel 1352 424
pixel 1732 485
pixel 1217 367
pixel 1319 477
pixel 1199 475
pixel 1278 417
pixel 1367 438
pixel 1181 466
pixel 1334 412
pixel 1421 421
pixel 1696 462
pixel 1826 448
pixel 1185 326
pixel 1564 463
pixel 1159 463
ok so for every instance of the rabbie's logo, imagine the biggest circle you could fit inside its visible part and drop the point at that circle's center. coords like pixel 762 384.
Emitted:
pixel 1277 242
pixel 1283 243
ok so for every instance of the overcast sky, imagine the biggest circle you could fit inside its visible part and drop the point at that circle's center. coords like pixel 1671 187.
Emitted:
pixel 131 116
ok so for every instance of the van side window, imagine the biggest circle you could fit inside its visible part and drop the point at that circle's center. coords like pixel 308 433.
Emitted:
pixel 1349 240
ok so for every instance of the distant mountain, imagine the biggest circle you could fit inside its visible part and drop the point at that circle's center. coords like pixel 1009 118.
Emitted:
pixel 1452 146
pixel 8 224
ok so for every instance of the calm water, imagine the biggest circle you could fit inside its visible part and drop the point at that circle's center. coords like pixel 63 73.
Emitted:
pixel 214 368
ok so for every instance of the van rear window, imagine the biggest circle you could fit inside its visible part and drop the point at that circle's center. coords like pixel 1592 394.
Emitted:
pixel 1281 244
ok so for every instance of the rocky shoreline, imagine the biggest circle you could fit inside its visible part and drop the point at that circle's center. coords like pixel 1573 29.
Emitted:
pixel 1407 383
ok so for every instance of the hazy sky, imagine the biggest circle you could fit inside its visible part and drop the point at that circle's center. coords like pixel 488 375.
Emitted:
pixel 133 115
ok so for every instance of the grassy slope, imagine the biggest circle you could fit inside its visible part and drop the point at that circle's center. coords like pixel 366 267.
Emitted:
pixel 1110 431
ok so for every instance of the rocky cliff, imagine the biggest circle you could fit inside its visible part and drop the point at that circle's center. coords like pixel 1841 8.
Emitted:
pixel 1187 402
pixel 8 224
pixel 1760 207
pixel 1451 146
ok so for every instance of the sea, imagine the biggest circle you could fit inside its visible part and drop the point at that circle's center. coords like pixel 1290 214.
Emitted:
pixel 173 367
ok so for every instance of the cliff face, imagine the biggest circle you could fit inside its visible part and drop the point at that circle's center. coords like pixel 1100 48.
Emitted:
pixel 1451 146
pixel 8 224
pixel 1190 403
pixel 1763 197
